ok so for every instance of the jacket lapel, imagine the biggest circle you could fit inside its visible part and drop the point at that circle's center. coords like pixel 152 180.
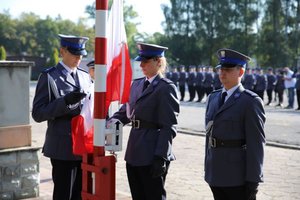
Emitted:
pixel 236 94
pixel 150 88
pixel 67 76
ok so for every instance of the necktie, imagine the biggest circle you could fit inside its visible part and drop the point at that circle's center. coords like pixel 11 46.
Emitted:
pixel 75 78
pixel 146 83
pixel 224 94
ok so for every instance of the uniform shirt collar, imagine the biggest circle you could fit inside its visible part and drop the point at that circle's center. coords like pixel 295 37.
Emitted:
pixel 68 68
pixel 230 91
pixel 151 79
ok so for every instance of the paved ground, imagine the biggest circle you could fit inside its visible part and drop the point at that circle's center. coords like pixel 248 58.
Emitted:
pixel 185 178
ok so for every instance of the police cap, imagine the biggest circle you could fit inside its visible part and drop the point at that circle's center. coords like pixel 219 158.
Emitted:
pixel 91 64
pixel 229 58
pixel 74 44
pixel 148 51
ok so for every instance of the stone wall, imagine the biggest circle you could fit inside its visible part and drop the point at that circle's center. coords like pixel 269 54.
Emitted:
pixel 19 173
pixel 19 162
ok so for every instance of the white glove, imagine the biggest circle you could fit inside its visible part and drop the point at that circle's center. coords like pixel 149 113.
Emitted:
pixel 111 122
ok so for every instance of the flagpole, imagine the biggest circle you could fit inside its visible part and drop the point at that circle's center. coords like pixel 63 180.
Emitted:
pixel 98 170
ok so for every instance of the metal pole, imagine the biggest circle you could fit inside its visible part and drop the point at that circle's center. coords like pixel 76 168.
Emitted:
pixel 98 170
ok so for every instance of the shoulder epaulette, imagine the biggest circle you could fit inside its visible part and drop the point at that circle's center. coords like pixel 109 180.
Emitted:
pixel 137 79
pixel 167 80
pixel 253 94
pixel 80 69
pixel 47 70
pixel 218 90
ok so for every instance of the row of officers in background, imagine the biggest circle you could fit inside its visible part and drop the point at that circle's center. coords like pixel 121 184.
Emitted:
pixel 203 80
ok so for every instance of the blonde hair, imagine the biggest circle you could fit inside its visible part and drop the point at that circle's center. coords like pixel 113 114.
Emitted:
pixel 163 65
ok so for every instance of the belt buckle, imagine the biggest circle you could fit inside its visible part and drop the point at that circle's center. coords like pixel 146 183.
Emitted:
pixel 212 142
pixel 136 124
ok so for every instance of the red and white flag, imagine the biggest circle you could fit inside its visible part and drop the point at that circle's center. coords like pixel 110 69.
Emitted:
pixel 118 83
pixel 119 71
pixel 82 126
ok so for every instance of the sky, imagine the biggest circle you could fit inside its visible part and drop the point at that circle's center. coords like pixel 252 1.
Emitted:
pixel 149 11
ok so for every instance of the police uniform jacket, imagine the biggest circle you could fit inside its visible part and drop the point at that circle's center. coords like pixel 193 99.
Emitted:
pixel 261 82
pixel 208 80
pixel 271 80
pixel 182 78
pixel 191 80
pixel 279 86
pixel 241 117
pixel 217 83
pixel 175 77
pixel 297 86
pixel 159 105
pixel 199 79
pixel 248 81
pixel 49 105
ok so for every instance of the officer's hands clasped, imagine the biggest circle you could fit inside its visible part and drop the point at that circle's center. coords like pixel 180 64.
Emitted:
pixel 158 167
pixel 74 97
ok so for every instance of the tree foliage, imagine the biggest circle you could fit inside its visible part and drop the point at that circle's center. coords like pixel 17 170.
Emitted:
pixel 30 35
pixel 267 30
pixel 2 53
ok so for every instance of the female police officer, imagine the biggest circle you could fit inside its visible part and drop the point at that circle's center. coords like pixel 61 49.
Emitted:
pixel 153 109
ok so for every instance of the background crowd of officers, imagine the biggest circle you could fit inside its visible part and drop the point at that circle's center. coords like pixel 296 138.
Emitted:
pixel 202 80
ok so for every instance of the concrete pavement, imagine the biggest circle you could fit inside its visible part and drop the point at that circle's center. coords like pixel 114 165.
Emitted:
pixel 185 179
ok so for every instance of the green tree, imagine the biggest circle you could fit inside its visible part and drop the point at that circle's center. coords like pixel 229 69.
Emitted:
pixel 8 36
pixel 197 28
pixel 46 37
pixel 273 49
pixel 2 53
pixel 54 58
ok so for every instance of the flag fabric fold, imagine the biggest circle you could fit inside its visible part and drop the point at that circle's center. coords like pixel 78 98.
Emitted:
pixel 118 82
pixel 119 73
pixel 82 126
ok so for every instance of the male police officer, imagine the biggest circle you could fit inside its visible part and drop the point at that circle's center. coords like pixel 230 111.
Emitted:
pixel 57 100
pixel 235 139
pixel 91 66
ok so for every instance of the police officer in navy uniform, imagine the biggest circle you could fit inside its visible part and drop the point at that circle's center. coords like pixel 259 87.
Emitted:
pixel 91 67
pixel 199 83
pixel 260 83
pixel 191 82
pixel 58 98
pixel 271 81
pixel 235 138
pixel 175 76
pixel 208 80
pixel 153 109
pixel 182 82
pixel 248 80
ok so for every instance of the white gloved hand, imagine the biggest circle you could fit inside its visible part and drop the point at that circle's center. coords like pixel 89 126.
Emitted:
pixel 111 122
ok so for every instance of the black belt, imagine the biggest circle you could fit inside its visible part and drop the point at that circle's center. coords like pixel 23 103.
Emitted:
pixel 215 143
pixel 139 124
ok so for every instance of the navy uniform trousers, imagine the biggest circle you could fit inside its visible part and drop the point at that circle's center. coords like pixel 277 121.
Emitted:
pixel 158 106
